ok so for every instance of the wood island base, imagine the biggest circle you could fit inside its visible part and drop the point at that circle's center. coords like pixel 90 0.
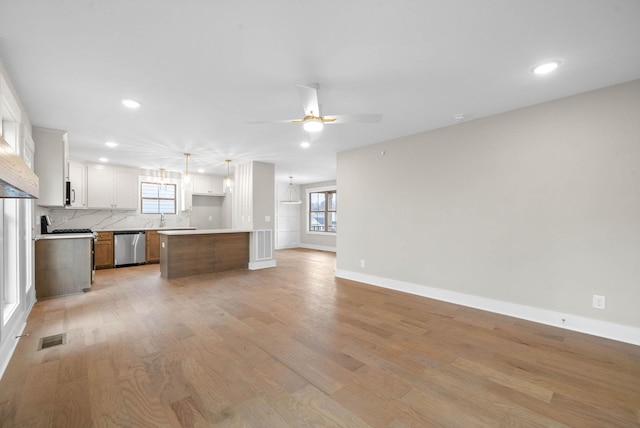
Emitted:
pixel 185 253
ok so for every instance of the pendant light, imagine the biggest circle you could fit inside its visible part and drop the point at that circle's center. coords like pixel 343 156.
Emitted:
pixel 163 184
pixel 291 196
pixel 187 177
pixel 226 184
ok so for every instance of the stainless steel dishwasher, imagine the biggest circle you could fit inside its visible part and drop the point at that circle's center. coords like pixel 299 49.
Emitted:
pixel 128 248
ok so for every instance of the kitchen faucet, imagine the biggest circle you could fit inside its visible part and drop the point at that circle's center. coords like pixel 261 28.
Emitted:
pixel 161 219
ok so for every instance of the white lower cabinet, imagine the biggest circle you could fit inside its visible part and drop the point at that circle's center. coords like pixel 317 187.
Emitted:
pixel 112 188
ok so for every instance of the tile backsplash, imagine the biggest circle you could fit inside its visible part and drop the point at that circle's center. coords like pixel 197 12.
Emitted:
pixel 108 219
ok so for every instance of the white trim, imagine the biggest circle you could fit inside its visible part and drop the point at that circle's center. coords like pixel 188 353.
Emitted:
pixel 318 247
pixel 609 330
pixel 320 189
pixel 262 264
pixel 8 347
pixel 10 341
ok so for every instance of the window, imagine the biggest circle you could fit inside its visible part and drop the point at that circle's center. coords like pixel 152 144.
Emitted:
pixel 323 207
pixel 158 198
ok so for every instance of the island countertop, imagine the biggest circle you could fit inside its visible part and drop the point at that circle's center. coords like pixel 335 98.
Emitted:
pixel 201 231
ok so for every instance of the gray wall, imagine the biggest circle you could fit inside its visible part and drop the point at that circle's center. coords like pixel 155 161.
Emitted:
pixel 537 207
pixel 324 241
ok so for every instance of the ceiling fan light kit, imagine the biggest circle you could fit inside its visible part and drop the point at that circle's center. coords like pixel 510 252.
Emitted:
pixel 313 124
pixel 314 121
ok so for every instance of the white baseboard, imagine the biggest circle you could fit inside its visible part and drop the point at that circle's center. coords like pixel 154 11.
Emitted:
pixel 262 264
pixel 318 247
pixel 609 330
pixel 285 247
pixel 9 346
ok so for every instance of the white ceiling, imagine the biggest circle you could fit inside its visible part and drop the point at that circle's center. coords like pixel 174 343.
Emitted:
pixel 204 69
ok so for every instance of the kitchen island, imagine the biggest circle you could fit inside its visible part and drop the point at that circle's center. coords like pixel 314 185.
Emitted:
pixel 194 252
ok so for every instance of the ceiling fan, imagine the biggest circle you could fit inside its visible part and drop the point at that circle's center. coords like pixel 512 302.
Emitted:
pixel 314 121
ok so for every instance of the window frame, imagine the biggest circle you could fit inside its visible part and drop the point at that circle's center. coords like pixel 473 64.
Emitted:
pixel 174 199
pixel 326 190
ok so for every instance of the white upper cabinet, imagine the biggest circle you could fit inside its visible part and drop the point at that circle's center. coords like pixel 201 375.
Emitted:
pixel 207 185
pixel 52 150
pixel 77 181
pixel 112 188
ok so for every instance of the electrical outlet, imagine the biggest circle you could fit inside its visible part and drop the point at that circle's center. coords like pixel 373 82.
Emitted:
pixel 210 218
pixel 362 264
pixel 598 301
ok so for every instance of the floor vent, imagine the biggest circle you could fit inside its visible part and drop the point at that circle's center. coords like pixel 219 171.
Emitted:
pixel 55 340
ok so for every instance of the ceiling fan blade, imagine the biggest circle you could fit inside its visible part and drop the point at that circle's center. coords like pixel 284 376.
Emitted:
pixel 276 121
pixel 309 97
pixel 355 118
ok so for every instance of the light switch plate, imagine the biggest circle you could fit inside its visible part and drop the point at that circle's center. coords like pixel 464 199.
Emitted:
pixel 599 302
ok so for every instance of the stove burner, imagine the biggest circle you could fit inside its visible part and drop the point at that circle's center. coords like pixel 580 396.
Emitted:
pixel 71 231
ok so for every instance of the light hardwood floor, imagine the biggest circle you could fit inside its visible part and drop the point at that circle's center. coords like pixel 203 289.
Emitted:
pixel 292 346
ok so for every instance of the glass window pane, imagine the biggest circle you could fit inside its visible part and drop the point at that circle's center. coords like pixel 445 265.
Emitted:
pixel 167 206
pixel 167 192
pixel 332 204
pixel 317 221
pixel 150 206
pixel 149 190
pixel 332 225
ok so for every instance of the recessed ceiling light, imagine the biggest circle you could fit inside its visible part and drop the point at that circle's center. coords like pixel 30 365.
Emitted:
pixel 103 160
pixel 459 117
pixel 200 170
pixel 111 144
pixel 547 67
pixel 131 103
pixel 305 144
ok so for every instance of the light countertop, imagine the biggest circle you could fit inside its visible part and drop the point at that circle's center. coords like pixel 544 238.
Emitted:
pixel 65 236
pixel 128 229
pixel 201 232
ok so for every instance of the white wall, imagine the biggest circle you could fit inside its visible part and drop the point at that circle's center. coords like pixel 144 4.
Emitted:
pixel 287 219
pixel 537 209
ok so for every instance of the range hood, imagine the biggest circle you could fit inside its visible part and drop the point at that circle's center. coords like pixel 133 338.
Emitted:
pixel 16 179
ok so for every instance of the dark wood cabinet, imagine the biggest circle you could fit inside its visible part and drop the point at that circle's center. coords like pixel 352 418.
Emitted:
pixel 104 250
pixel 152 247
